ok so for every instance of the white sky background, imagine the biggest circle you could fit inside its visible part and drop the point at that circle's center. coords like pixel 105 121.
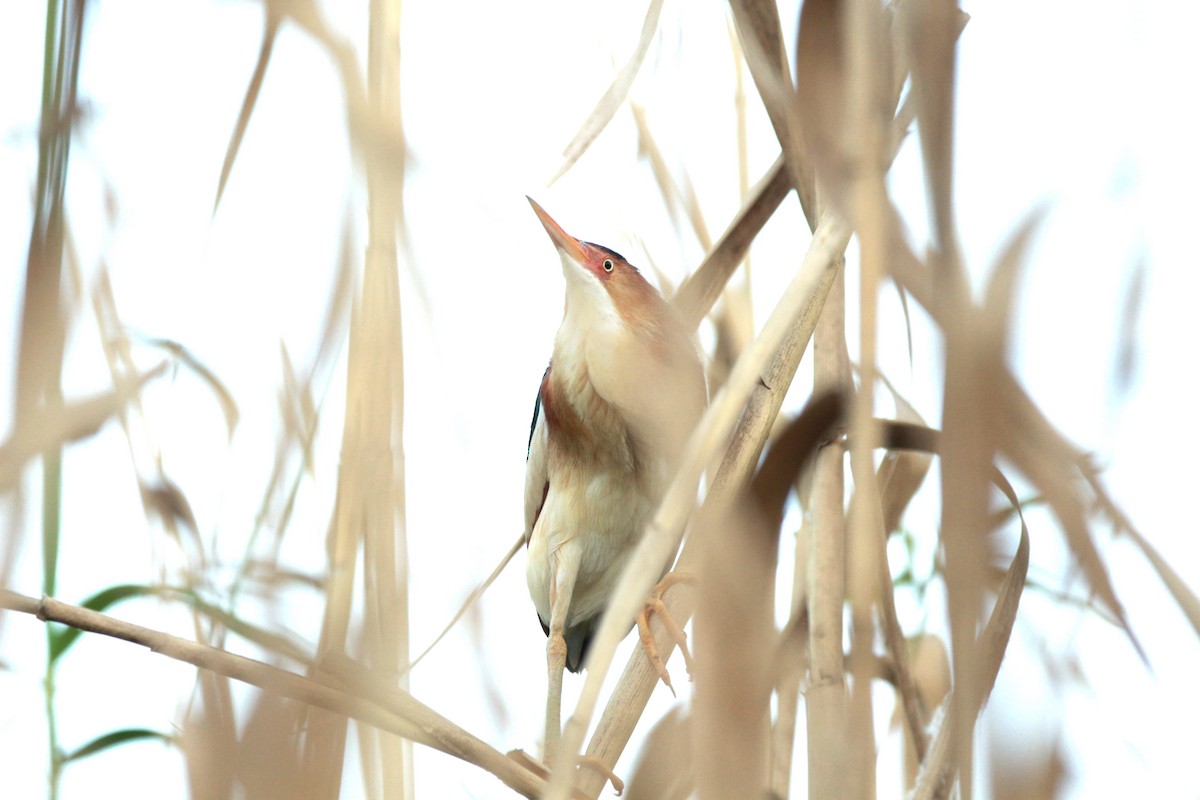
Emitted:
pixel 1087 110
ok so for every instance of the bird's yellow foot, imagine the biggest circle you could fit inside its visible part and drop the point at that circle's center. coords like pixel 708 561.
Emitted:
pixel 654 605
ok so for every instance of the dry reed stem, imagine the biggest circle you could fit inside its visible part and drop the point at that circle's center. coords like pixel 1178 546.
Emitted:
pixel 825 698
pixel 867 119
pixel 792 665
pixel 385 553
pixel 387 708
pixel 324 744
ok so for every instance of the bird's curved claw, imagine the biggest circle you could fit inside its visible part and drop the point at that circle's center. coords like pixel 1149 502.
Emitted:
pixel 654 605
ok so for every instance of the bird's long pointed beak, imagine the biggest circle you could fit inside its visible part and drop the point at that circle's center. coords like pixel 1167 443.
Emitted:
pixel 562 240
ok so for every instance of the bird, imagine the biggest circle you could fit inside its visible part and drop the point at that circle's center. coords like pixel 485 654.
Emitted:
pixel 623 390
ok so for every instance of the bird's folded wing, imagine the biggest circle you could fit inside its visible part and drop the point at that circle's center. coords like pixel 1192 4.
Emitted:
pixel 537 481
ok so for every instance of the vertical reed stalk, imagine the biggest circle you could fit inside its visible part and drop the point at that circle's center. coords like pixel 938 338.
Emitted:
pixel 43 326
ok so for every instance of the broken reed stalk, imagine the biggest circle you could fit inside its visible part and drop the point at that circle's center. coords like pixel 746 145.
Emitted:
pixel 393 710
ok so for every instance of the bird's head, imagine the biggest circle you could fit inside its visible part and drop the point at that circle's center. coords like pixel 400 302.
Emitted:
pixel 601 278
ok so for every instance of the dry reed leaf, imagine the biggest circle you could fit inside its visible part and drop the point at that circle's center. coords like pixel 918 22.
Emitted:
pixel 1188 602
pixel 908 337
pixel 934 779
pixel 474 596
pixel 209 743
pixel 674 198
pixel 1050 464
pixel 899 477
pixel 820 93
pixel 185 356
pixel 1046 460
pixel 297 412
pixel 1033 443
pixel 607 105
pixel 267 754
pixel 967 450
pixel 931 671
pixel 39 431
pixel 270 34
pixel 973 401
pixel 735 631
pixel 1037 775
pixel 664 769
pixel 700 291
pixel 163 497
pixel 869 108
pixel 932 28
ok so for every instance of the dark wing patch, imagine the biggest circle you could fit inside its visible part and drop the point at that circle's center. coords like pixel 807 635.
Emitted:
pixel 537 411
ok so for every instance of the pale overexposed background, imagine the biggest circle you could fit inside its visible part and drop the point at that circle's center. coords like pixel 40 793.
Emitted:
pixel 1085 110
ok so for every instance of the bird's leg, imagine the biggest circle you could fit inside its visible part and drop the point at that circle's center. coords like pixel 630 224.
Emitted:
pixel 556 659
pixel 654 605
pixel 564 565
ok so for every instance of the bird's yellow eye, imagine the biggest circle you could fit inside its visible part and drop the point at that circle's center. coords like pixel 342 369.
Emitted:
pixel 608 265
